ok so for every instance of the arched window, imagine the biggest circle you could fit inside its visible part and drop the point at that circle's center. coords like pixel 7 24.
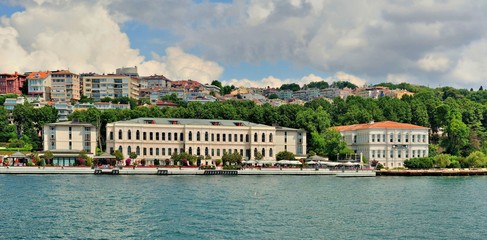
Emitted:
pixel 270 152
pixel 120 134
pixel 255 137
pixel 212 137
pixel 263 152
pixel 181 137
pixel 198 151
pixel 175 136
pixel 129 135
pixel 163 136
pixel 190 151
pixel 190 136
pixel 206 137
pixel 129 150
pixel 120 149
pixel 198 136
pixel 270 137
pixel 206 152
pixel 111 135
pixel 247 137
pixel 144 136
pixel 137 135
pixel 255 152
pixel 263 137
pixel 137 150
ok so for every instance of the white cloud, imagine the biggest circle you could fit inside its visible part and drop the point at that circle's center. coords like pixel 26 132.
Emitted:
pixel 434 63
pixel 84 37
pixel 274 82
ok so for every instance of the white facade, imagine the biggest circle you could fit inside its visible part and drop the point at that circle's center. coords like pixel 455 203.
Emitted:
pixel 66 139
pixel 159 138
pixel 389 143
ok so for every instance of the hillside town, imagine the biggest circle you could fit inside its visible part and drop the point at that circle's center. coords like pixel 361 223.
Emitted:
pixel 67 91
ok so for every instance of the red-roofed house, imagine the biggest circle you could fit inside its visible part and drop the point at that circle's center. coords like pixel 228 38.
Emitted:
pixel 390 143
pixel 11 83
pixel 39 86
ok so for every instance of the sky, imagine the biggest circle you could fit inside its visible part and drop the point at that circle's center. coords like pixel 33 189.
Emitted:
pixel 256 43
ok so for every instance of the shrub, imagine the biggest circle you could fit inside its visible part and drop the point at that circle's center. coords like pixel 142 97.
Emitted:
pixel 142 162
pixel 419 163
pixel 156 162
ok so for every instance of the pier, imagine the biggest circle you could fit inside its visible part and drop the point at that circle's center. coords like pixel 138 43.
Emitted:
pixel 182 171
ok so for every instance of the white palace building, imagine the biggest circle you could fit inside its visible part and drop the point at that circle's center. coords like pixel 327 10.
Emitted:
pixel 159 138
pixel 389 143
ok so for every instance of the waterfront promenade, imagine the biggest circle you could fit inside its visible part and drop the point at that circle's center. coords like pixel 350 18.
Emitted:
pixel 182 171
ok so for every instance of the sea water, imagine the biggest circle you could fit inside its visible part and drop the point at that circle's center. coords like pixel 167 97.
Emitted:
pixel 242 207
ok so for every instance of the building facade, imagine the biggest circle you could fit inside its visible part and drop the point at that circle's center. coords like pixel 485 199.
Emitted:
pixel 112 86
pixel 39 86
pixel 389 143
pixel 11 83
pixel 66 139
pixel 159 138
pixel 65 86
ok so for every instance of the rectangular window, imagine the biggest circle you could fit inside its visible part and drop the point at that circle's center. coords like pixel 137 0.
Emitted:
pixel 399 153
pixel 378 137
pixel 383 153
pixel 424 138
pixel 150 152
pixel 157 136
pixel 413 153
pixel 373 137
pixel 424 153
pixel 398 137
pixel 229 137
pixel 241 137
pixel 224 137
pixel 212 152
pixel 406 138
pixel 391 154
pixel 218 138
pixel 373 153
pixel 163 136
pixel 163 151
pixel 218 152
pixel 150 137
pixel 169 151
pixel 145 151
pixel 144 136
pixel 169 137
pixel 391 139
pixel 175 136
pixel 235 137
pixel 407 154
pixel 157 151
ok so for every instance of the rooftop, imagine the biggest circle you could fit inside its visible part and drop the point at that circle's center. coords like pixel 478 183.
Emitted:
pixel 379 125
pixel 190 121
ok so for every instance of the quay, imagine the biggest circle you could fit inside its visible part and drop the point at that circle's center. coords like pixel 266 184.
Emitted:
pixel 433 172
pixel 183 171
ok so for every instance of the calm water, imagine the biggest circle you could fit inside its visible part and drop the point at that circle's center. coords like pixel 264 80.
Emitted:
pixel 243 207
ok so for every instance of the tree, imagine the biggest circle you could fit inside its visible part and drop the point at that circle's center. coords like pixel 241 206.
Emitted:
pixel 285 155
pixel 48 155
pixel 291 86
pixel 258 156
pixel 419 163
pixel 273 96
pixel 133 155
pixel 217 83
pixel 118 155
pixel 476 159
pixel 458 135
pixel 442 160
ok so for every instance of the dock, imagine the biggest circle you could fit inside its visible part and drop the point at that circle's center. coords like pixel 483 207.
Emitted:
pixel 158 171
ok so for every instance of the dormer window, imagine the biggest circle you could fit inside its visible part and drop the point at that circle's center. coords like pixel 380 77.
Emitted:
pixel 238 124
pixel 215 123
pixel 149 121
pixel 173 122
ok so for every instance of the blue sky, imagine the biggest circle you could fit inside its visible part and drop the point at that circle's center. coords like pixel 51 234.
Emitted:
pixel 253 43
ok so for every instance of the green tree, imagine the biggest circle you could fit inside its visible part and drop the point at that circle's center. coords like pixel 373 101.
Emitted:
pixel 476 159
pixel 217 83
pixel 258 156
pixel 290 86
pixel 285 155
pixel 118 155
pixel 458 135
pixel 419 163
pixel 48 155
pixel 442 160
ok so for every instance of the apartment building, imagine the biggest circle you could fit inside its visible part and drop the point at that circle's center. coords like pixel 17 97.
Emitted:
pixel 111 85
pixel 390 143
pixel 11 83
pixel 159 138
pixel 65 86
pixel 66 139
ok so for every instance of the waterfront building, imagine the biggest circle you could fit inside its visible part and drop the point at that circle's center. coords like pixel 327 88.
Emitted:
pixel 112 86
pixel 64 86
pixel 11 83
pixel 159 138
pixel 39 86
pixel 66 139
pixel 389 143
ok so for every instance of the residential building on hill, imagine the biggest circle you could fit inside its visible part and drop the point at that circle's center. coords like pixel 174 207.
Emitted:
pixel 112 86
pixel 66 139
pixel 159 138
pixel 389 143
pixel 65 86
pixel 11 83
pixel 39 86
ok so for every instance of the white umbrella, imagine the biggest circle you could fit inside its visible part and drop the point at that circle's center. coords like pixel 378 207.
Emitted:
pixel 250 162
pixel 350 164
pixel 312 162
pixel 267 162
pixel 331 164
